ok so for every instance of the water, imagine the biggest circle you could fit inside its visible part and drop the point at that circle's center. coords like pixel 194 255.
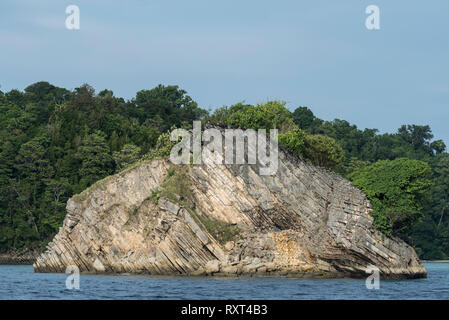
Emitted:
pixel 20 282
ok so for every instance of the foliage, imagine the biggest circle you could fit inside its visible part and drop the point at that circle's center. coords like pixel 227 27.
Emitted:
pixel 155 195
pixel 162 148
pixel 127 156
pixel 304 118
pixel 397 190
pixel 177 184
pixel 431 236
pixel 270 115
pixel 319 149
pixel 166 106
pixel 220 230
pixel 95 158
pixel 324 151
pixel 355 165
pixel 294 140
pixel 55 143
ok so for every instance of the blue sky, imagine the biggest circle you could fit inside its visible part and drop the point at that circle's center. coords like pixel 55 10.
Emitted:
pixel 313 53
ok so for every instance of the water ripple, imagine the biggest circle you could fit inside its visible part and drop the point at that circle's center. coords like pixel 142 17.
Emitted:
pixel 19 282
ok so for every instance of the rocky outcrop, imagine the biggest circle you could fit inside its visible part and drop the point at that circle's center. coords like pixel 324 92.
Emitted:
pixel 162 219
pixel 16 257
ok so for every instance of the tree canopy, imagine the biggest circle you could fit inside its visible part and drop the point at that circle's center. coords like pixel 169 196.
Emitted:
pixel 397 190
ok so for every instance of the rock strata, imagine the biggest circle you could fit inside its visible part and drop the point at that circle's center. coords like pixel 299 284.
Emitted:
pixel 226 220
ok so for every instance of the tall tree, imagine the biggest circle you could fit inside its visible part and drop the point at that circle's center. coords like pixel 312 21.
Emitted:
pixel 96 161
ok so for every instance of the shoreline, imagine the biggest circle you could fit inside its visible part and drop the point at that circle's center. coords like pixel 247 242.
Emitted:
pixel 15 258
pixel 29 257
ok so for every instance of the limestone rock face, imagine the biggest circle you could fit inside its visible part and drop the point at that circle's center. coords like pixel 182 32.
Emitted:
pixel 303 222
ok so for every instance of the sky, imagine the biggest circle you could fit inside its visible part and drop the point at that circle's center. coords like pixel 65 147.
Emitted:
pixel 308 53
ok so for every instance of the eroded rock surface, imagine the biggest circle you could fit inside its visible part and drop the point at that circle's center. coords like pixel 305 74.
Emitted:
pixel 304 221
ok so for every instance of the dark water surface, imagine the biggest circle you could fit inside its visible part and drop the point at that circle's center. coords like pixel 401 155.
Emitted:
pixel 20 282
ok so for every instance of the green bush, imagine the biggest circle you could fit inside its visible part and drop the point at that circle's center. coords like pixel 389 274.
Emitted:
pixel 396 189
pixel 323 151
pixel 270 115
pixel 294 141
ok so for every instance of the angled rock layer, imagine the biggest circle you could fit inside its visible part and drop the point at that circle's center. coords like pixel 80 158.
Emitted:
pixel 226 220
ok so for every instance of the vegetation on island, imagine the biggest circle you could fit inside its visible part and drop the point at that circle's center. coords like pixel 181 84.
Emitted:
pixel 56 143
pixel 397 190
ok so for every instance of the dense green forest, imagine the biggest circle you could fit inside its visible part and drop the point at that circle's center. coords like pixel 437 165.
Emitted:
pixel 55 143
